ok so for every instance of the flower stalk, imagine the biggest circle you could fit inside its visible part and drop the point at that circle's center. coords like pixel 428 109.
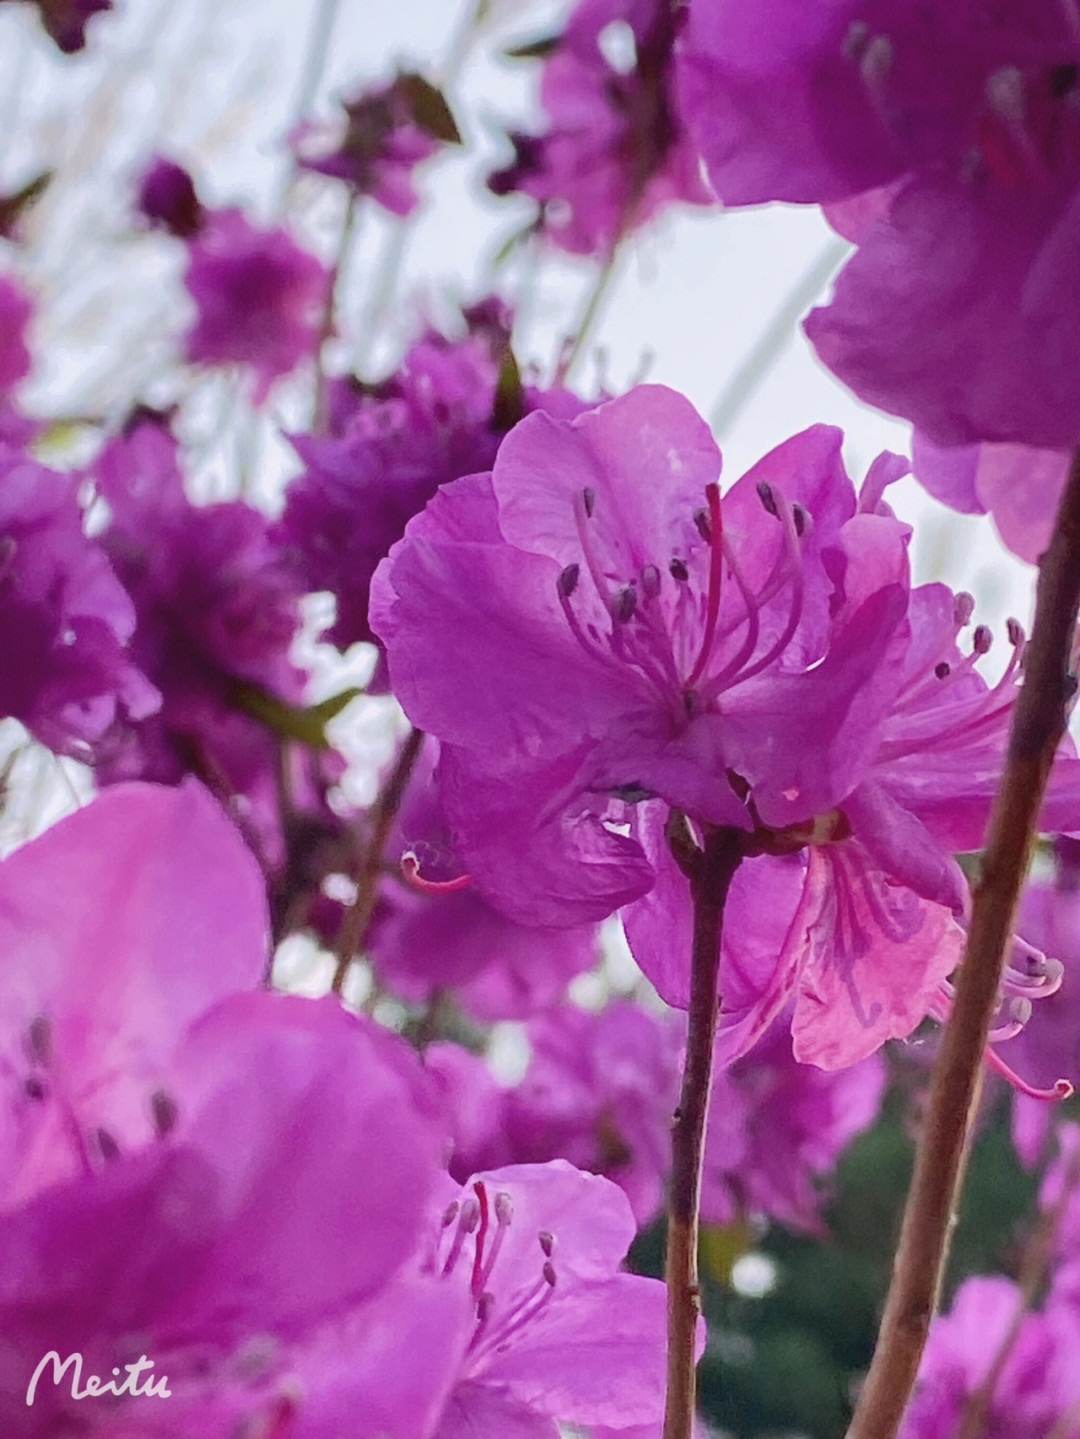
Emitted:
pixel 1038 724
pixel 710 868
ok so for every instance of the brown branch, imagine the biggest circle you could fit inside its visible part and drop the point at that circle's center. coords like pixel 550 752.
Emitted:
pixel 1038 723
pixel 358 917
pixel 710 870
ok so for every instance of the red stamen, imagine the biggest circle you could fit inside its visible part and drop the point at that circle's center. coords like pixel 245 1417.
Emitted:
pixel 716 559
pixel 1060 1090
pixel 410 868
pixel 476 1283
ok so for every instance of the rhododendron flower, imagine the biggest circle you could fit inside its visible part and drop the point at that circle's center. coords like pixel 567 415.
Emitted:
pixel 454 942
pixel 15 312
pixel 600 1090
pixel 65 20
pixel 553 1331
pixel 167 198
pixel 615 153
pixel 777 1127
pixel 947 141
pixel 390 447
pixel 384 134
pixel 629 636
pixel 188 1166
pixel 260 298
pixel 1036 1387
pixel 65 619
pixel 217 605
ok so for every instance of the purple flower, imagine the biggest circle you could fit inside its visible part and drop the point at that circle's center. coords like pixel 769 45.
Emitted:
pixel 389 449
pixel 455 942
pixel 553 1331
pixel 16 310
pixel 588 626
pixel 189 1170
pixel 599 1091
pixel 382 136
pixel 776 1127
pixel 616 152
pixel 65 618
pixel 65 20
pixel 260 298
pixel 167 198
pixel 863 927
pixel 1036 1386
pixel 217 606
pixel 948 141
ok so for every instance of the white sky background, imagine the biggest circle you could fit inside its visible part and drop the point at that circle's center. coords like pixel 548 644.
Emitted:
pixel 215 83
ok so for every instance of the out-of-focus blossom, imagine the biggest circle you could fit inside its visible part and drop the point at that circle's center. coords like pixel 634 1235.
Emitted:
pixel 384 134
pixel 217 606
pixel 167 198
pixel 599 1091
pixel 1037 1386
pixel 947 141
pixel 260 298
pixel 390 447
pixel 16 309
pixel 777 1127
pixel 65 619
pixel 65 20
pixel 188 1170
pixel 615 153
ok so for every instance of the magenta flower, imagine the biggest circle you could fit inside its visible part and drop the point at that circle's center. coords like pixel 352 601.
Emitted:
pixel 389 449
pixel 65 21
pixel 384 133
pixel 600 1091
pixel 217 606
pixel 167 199
pixel 629 636
pixel 1037 1384
pixel 64 616
pixel 949 142
pixel 776 1129
pixel 455 942
pixel 189 1168
pixel 553 1330
pixel 260 298
pixel 16 310
pixel 615 153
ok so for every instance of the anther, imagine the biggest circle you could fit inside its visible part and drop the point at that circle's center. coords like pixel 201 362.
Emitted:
pixel 1015 631
pixel 39 1039
pixel 588 498
pixel 1005 92
pixel 548 1272
pixel 623 603
pixel 547 1242
pixel 854 42
pixel 982 639
pixel 800 517
pixel 504 1207
pixel 678 571
pixel 567 581
pixel 650 581
pixel 33 1088
pixel 449 1214
pixel 767 498
pixel 963 607
pixel 943 669
pixel 163 1111
pixel 704 528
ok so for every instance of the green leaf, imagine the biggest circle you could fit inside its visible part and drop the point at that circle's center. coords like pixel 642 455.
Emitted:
pixel 509 406
pixel 306 723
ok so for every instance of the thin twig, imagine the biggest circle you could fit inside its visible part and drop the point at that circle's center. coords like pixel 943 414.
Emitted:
pixel 1038 724
pixel 358 917
pixel 590 314
pixel 710 870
